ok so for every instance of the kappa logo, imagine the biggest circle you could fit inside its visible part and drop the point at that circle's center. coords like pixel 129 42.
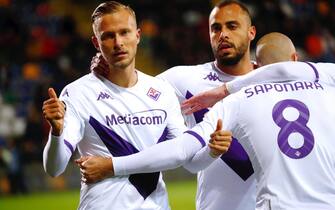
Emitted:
pixel 103 95
pixel 212 77
pixel 154 94
pixel 66 93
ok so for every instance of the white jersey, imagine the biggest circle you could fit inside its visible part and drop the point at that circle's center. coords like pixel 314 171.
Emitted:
pixel 235 189
pixel 282 72
pixel 104 119
pixel 287 131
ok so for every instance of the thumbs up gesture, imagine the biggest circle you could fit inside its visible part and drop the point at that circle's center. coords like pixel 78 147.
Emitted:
pixel 54 111
pixel 220 140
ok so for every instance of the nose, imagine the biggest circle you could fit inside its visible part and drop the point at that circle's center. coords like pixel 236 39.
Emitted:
pixel 118 42
pixel 224 34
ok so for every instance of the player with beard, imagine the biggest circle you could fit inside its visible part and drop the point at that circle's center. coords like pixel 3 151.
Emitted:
pixel 231 32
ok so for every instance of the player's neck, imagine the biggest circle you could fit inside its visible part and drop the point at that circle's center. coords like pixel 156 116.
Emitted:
pixel 242 67
pixel 126 77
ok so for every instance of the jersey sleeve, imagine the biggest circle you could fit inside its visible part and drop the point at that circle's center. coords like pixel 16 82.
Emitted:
pixel 282 72
pixel 159 157
pixel 201 160
pixel 175 120
pixel 59 149
pixel 73 122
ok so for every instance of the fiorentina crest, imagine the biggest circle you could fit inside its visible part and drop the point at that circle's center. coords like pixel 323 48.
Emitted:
pixel 154 94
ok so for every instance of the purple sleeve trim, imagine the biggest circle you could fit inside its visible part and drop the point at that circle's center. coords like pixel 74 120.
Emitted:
pixel 69 146
pixel 315 71
pixel 197 136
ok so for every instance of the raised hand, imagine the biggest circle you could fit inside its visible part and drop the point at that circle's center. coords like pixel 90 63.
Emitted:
pixel 204 100
pixel 220 140
pixel 99 65
pixel 95 168
pixel 54 111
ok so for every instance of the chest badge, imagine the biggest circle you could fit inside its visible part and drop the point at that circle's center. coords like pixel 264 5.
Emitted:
pixel 154 94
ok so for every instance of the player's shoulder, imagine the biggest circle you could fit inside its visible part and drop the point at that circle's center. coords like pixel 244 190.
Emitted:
pixel 183 71
pixel 155 82
pixel 144 76
pixel 83 81
pixel 148 79
pixel 314 65
pixel 80 86
pixel 301 64
pixel 324 65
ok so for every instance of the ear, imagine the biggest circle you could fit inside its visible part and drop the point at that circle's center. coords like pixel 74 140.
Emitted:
pixel 138 35
pixel 294 57
pixel 252 32
pixel 95 43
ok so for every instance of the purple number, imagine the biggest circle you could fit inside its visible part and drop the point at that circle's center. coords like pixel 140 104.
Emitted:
pixel 289 127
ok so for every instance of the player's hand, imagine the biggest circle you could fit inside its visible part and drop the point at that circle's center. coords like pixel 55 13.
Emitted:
pixel 204 100
pixel 54 111
pixel 95 168
pixel 220 140
pixel 99 65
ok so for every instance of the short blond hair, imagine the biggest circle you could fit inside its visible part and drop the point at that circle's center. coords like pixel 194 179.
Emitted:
pixel 110 7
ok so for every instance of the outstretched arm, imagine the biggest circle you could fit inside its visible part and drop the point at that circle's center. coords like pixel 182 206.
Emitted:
pixel 204 100
pixel 278 72
pixel 163 156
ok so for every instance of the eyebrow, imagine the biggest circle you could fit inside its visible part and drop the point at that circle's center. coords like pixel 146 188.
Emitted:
pixel 226 23
pixel 215 24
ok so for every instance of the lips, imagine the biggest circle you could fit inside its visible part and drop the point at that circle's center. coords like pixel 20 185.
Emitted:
pixel 120 53
pixel 224 46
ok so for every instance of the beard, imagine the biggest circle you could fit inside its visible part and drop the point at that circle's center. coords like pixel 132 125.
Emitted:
pixel 230 61
pixel 226 60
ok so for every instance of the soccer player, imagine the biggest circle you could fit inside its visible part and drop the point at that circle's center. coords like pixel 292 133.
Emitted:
pixel 116 115
pixel 286 128
pixel 271 48
pixel 231 32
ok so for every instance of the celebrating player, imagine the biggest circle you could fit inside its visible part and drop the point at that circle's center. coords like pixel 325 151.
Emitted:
pixel 116 115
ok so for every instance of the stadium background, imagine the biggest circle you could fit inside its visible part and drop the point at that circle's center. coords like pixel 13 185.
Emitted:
pixel 46 43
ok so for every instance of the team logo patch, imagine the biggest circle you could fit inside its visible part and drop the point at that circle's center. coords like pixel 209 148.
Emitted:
pixel 154 94
pixel 103 95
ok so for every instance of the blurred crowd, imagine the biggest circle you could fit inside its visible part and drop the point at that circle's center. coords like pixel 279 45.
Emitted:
pixel 46 43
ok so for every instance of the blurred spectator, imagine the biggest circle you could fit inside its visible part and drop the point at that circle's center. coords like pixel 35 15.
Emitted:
pixel 14 164
pixel 33 137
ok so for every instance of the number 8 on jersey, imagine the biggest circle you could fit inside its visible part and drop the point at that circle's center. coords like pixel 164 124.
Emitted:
pixel 297 126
